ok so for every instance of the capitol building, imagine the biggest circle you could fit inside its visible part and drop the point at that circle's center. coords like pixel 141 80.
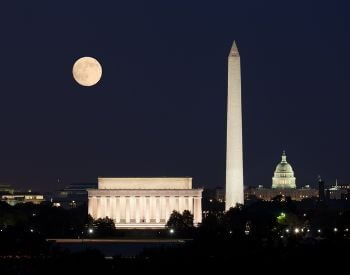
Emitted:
pixel 283 184
pixel 284 174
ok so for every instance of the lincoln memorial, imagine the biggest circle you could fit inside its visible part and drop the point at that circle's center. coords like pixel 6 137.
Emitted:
pixel 144 202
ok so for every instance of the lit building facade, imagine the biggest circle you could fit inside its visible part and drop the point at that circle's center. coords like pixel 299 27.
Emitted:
pixel 16 198
pixel 144 202
pixel 284 175
pixel 268 194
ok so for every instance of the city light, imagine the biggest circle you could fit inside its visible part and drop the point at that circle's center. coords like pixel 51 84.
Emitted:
pixel 319 230
pixel 90 231
pixel 335 229
pixel 31 230
pixel 287 230
pixel 172 231
pixel 296 230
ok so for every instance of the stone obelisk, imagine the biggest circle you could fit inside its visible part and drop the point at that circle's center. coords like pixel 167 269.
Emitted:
pixel 234 149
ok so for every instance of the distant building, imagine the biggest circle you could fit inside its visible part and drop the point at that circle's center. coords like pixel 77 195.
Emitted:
pixel 339 191
pixel 283 184
pixel 284 175
pixel 23 197
pixel 267 194
pixel 6 189
pixel 73 195
pixel 144 202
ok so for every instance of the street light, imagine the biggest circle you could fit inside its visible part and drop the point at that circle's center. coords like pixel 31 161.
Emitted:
pixel 90 231
pixel 172 231
pixel 296 230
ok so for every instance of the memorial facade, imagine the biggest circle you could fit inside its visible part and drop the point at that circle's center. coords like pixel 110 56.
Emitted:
pixel 144 202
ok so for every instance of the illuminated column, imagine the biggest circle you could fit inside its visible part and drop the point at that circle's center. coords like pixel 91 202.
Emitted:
pixel 103 207
pixel 117 211
pixel 153 208
pixel 127 210
pixel 93 212
pixel 113 203
pixel 234 148
pixel 148 210
pixel 133 208
pixel 143 208
pixel 108 207
pixel 190 205
pixel 177 204
pixel 137 215
pixel 163 208
pixel 122 208
pixel 197 210
pixel 158 209
pixel 98 203
pixel 90 199
pixel 167 208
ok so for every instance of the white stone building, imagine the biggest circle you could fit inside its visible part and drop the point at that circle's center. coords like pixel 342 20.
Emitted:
pixel 284 175
pixel 144 202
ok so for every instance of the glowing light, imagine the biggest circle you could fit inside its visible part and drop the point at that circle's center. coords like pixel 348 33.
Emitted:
pixel 90 231
pixel 296 230
pixel 172 231
pixel 87 71
pixel 335 229
pixel 319 230
pixel 287 230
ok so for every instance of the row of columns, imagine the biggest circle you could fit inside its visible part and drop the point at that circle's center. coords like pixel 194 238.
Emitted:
pixel 142 209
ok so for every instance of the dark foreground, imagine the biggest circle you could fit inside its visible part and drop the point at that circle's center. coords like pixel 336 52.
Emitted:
pixel 264 237
pixel 232 255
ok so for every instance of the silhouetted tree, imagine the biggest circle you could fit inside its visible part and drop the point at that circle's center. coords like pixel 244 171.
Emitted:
pixel 181 223
pixel 105 227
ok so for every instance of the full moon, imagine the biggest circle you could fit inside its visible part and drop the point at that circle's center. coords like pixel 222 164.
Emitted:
pixel 87 71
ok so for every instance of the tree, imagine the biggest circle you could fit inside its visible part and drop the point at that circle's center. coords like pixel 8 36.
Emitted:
pixel 180 222
pixel 104 227
pixel 187 218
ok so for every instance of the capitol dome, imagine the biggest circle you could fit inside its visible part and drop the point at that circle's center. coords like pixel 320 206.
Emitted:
pixel 284 174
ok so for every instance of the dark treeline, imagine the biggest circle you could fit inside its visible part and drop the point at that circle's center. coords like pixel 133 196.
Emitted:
pixel 277 236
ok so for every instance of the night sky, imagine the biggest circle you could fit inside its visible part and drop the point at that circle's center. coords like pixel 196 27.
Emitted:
pixel 160 107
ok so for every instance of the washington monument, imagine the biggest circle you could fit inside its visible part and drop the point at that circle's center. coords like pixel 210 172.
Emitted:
pixel 234 148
